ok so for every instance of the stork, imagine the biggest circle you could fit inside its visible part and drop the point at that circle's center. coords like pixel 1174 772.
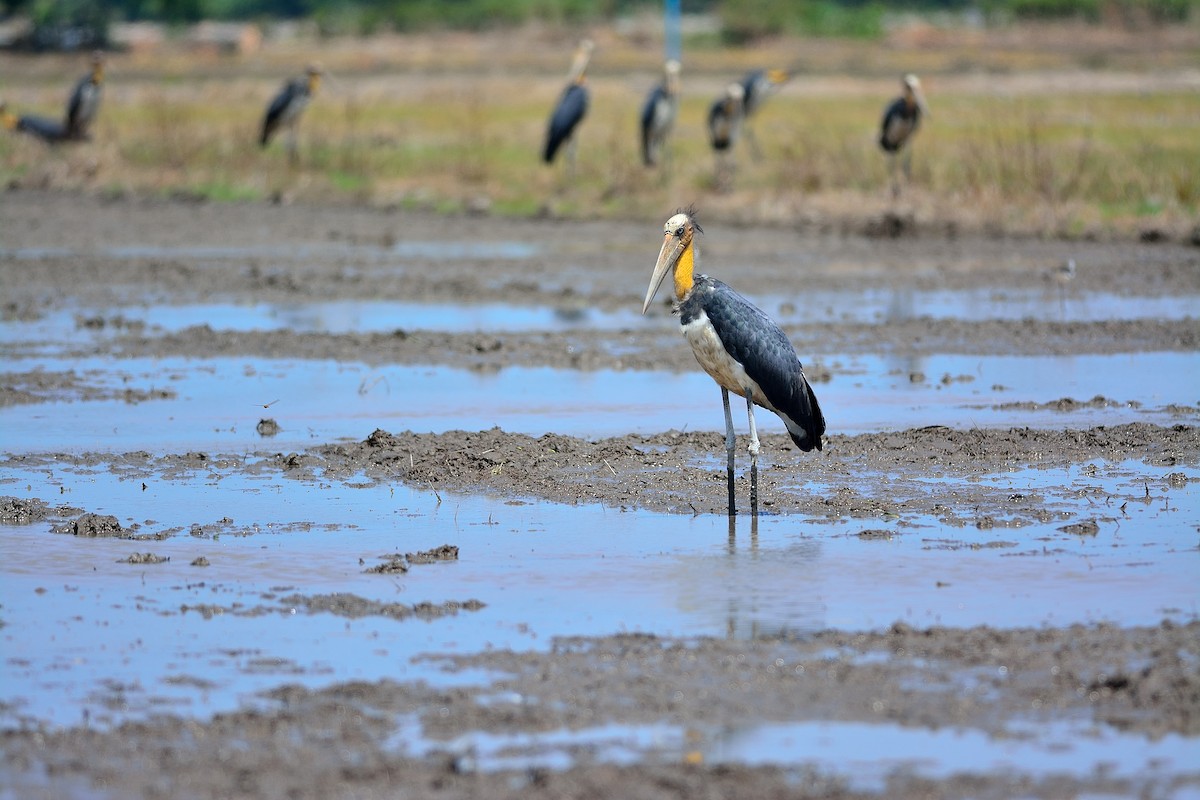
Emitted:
pixel 288 105
pixel 757 86
pixel 571 109
pixel 85 101
pixel 900 121
pixel 50 131
pixel 1063 274
pixel 738 346
pixel 725 118
pixel 658 115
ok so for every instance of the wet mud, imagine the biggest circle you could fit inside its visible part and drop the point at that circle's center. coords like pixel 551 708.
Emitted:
pixel 389 574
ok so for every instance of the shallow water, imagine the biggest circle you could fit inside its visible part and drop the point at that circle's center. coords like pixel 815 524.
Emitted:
pixel 218 402
pixel 290 251
pixel 87 635
pixel 838 748
pixel 55 329
pixel 87 639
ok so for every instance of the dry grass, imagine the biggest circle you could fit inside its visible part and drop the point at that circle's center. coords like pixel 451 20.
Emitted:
pixel 457 122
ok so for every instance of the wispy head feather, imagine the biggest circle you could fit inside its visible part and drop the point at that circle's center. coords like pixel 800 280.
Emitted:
pixel 691 212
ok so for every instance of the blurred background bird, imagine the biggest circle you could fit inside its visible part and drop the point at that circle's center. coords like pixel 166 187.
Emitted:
pixel 725 118
pixel 51 131
pixel 658 114
pixel 571 109
pixel 757 86
pixel 84 104
pixel 900 122
pixel 288 105
pixel 1062 275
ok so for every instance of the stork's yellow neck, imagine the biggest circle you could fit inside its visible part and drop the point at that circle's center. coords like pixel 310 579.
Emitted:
pixel 685 269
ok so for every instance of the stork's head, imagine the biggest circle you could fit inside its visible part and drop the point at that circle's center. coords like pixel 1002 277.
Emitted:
pixel 677 256
pixel 579 65
pixel 97 66
pixel 735 94
pixel 913 93
pixel 8 120
pixel 671 72
pixel 314 73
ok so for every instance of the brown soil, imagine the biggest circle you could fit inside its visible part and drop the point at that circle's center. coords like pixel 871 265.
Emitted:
pixel 341 742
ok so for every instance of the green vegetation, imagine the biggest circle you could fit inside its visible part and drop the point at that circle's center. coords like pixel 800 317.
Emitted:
pixel 72 24
pixel 1072 163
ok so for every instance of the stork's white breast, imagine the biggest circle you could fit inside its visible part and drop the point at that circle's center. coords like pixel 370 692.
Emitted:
pixel 716 361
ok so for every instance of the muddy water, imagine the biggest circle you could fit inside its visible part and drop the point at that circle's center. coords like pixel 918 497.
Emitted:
pixel 988 575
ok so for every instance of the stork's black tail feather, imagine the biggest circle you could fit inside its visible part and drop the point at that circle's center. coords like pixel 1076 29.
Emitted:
pixel 811 420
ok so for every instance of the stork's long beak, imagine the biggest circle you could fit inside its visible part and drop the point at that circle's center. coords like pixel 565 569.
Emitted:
pixel 667 256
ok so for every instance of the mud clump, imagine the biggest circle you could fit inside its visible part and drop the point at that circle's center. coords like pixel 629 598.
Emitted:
pixel 446 552
pixel 144 558
pixel 15 511
pixel 95 525
pixel 1087 527
pixel 397 563
pixel 352 606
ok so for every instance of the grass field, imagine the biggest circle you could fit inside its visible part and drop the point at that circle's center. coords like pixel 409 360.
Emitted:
pixel 1083 132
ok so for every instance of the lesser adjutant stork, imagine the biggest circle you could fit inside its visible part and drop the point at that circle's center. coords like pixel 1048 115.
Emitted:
pixel 725 117
pixel 757 86
pixel 287 106
pixel 85 101
pixel 658 114
pixel 900 122
pixel 739 346
pixel 571 108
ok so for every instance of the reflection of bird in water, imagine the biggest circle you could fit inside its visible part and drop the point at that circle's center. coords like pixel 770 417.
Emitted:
pixel 757 86
pixel 48 130
pixel 900 122
pixel 739 347
pixel 288 105
pixel 571 109
pixel 85 100
pixel 725 118
pixel 658 115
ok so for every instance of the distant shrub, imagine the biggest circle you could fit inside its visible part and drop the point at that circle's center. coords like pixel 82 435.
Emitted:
pixel 1131 11
pixel 743 21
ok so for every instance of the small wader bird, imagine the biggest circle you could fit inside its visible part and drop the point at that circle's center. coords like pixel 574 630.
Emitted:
pixel 900 122
pixel 48 130
pixel 288 105
pixel 85 101
pixel 757 86
pixel 739 347
pixel 725 119
pixel 571 108
pixel 658 115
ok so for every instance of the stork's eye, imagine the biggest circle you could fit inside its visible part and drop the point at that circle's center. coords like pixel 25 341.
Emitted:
pixel 679 231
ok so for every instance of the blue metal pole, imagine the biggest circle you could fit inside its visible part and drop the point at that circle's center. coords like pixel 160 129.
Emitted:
pixel 674 35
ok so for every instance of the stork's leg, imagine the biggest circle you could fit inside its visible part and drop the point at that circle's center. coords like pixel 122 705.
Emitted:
pixel 292 146
pixel 892 174
pixel 908 164
pixel 753 454
pixel 752 143
pixel 729 446
pixel 572 145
